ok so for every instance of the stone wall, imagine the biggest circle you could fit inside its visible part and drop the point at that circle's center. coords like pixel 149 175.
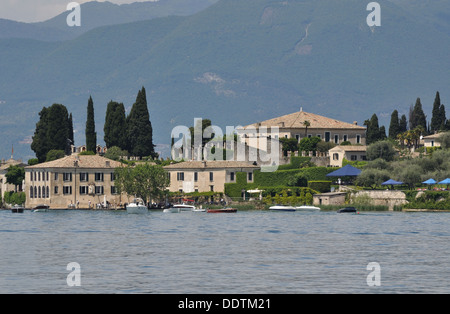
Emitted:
pixel 386 198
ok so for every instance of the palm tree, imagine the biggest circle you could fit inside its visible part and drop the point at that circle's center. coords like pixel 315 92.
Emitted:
pixel 307 124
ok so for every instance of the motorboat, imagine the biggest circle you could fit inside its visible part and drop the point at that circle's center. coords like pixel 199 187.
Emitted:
pixel 137 207
pixel 17 209
pixel 283 208
pixel 178 208
pixel 307 208
pixel 40 208
pixel 222 210
pixel 347 210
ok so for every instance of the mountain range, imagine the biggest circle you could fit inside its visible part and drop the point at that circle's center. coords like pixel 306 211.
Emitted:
pixel 232 61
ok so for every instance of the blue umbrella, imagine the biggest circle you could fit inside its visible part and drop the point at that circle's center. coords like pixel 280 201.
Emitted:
pixel 347 171
pixel 392 182
pixel 446 181
pixel 429 182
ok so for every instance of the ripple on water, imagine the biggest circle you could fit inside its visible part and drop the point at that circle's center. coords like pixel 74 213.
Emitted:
pixel 249 252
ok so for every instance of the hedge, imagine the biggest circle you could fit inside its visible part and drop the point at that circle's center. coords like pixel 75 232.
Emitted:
pixel 283 177
pixel 235 189
pixel 280 178
pixel 321 186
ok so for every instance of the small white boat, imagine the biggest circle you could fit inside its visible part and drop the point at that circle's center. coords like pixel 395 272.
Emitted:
pixel 307 208
pixel 137 207
pixel 283 208
pixel 182 208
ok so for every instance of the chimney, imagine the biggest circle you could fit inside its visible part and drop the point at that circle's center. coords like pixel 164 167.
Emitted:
pixel 355 122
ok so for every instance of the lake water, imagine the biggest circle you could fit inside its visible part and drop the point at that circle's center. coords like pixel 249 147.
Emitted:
pixel 249 252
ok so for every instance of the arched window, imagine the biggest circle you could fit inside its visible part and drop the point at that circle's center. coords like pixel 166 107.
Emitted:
pixel 31 192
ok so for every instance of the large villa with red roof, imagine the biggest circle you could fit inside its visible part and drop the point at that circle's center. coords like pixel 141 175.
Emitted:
pixel 303 124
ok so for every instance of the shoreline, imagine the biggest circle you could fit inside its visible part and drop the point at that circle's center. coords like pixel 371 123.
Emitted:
pixel 415 210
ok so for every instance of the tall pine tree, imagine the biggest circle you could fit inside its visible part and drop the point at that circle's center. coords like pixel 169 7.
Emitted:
pixel 115 129
pixel 91 135
pixel 374 133
pixel 403 124
pixel 437 120
pixel 139 128
pixel 417 117
pixel 394 126
pixel 443 126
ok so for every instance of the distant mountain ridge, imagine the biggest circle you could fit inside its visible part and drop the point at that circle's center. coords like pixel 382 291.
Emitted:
pixel 235 62
pixel 96 14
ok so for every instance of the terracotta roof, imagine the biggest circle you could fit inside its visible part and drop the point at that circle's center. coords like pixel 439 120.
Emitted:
pixel 211 165
pixel 349 148
pixel 433 136
pixel 11 162
pixel 84 161
pixel 296 119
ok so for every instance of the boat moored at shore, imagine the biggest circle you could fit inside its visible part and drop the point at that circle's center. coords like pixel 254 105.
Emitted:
pixel 137 207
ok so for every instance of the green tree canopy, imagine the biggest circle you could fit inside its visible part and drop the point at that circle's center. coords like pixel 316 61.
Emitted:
pixel 55 154
pixel 372 177
pixel 381 149
pixel 15 175
pixel 54 130
pixel 115 153
pixel 309 144
pixel 146 181
pixel 289 145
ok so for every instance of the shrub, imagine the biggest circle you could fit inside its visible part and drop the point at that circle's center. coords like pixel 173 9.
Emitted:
pixel 321 186
pixel 14 198
pixel 381 149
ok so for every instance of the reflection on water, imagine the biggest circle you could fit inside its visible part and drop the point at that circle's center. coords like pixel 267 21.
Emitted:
pixel 245 252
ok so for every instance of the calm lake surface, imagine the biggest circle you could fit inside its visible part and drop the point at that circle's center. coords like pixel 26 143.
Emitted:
pixel 245 252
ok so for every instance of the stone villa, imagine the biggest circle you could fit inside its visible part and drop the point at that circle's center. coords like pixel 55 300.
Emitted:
pixel 73 181
pixel 206 176
pixel 294 125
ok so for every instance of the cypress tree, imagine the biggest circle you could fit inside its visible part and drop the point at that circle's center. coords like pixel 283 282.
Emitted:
pixel 91 135
pixel 115 126
pixel 394 126
pixel 40 144
pixel 443 118
pixel 403 124
pixel 418 117
pixel 374 133
pixel 437 120
pixel 139 128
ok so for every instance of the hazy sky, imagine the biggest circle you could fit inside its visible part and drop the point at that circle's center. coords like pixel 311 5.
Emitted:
pixel 40 10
